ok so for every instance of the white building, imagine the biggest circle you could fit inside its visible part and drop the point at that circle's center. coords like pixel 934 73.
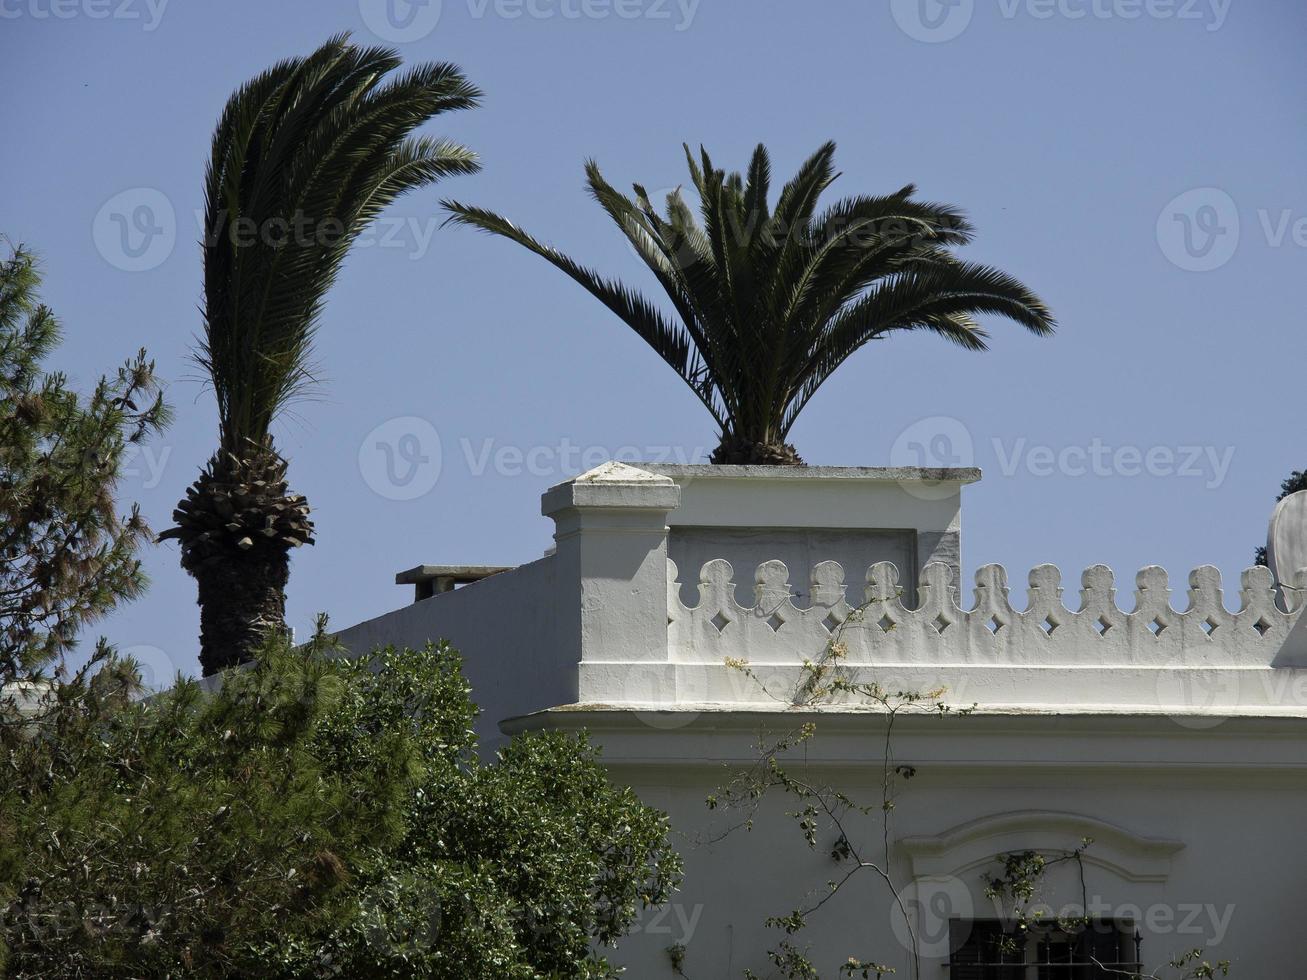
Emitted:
pixel 1173 734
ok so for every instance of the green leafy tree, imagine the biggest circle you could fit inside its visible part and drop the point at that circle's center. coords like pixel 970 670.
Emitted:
pixel 769 302
pixel 304 157
pixel 311 817
pixel 67 556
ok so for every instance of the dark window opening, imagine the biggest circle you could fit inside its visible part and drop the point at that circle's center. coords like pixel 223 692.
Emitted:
pixel 989 949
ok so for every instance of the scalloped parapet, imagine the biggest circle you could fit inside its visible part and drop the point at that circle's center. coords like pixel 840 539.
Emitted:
pixel 603 619
pixel 786 623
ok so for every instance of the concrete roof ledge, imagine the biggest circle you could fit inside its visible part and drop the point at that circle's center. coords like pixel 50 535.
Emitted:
pixel 613 485
pixel 961 475
pixel 616 471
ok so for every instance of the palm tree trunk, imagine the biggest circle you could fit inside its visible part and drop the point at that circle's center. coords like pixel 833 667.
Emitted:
pixel 242 603
pixel 742 451
pixel 237 526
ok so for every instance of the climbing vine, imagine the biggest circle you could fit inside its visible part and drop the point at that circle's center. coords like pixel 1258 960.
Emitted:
pixel 822 812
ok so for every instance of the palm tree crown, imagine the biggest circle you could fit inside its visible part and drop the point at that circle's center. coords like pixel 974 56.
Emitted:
pixel 769 302
pixel 304 157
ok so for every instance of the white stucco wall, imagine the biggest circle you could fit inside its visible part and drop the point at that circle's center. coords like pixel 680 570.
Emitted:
pixel 1166 718
pixel 507 629
pixel 1195 834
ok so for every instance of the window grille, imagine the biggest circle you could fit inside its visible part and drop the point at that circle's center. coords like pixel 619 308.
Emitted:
pixel 995 950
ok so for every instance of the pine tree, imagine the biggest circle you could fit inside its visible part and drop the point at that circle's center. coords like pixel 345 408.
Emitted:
pixel 67 556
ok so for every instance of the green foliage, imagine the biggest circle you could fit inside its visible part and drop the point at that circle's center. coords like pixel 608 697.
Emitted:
pixel 1195 967
pixel 66 555
pixel 304 157
pixel 767 304
pixel 312 817
pixel 1016 887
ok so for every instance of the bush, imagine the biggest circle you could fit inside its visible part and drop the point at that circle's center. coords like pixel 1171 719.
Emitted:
pixel 313 817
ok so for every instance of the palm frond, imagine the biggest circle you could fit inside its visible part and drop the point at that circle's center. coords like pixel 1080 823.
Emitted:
pixel 670 340
pixel 771 301
pixel 941 298
pixel 304 157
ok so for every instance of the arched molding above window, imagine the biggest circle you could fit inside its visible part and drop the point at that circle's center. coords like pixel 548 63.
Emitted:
pixel 974 844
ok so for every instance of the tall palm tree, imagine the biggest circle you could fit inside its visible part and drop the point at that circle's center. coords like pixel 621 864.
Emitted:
pixel 304 157
pixel 768 303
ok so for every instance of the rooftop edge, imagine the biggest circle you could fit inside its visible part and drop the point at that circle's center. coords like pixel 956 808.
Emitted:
pixel 884 474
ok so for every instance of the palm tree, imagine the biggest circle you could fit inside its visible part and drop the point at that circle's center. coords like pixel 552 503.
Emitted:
pixel 304 157
pixel 768 303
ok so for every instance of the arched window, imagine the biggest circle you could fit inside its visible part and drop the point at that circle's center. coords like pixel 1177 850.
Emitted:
pixel 975 940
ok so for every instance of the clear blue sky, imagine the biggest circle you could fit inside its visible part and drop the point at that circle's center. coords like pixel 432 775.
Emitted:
pixel 1072 131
